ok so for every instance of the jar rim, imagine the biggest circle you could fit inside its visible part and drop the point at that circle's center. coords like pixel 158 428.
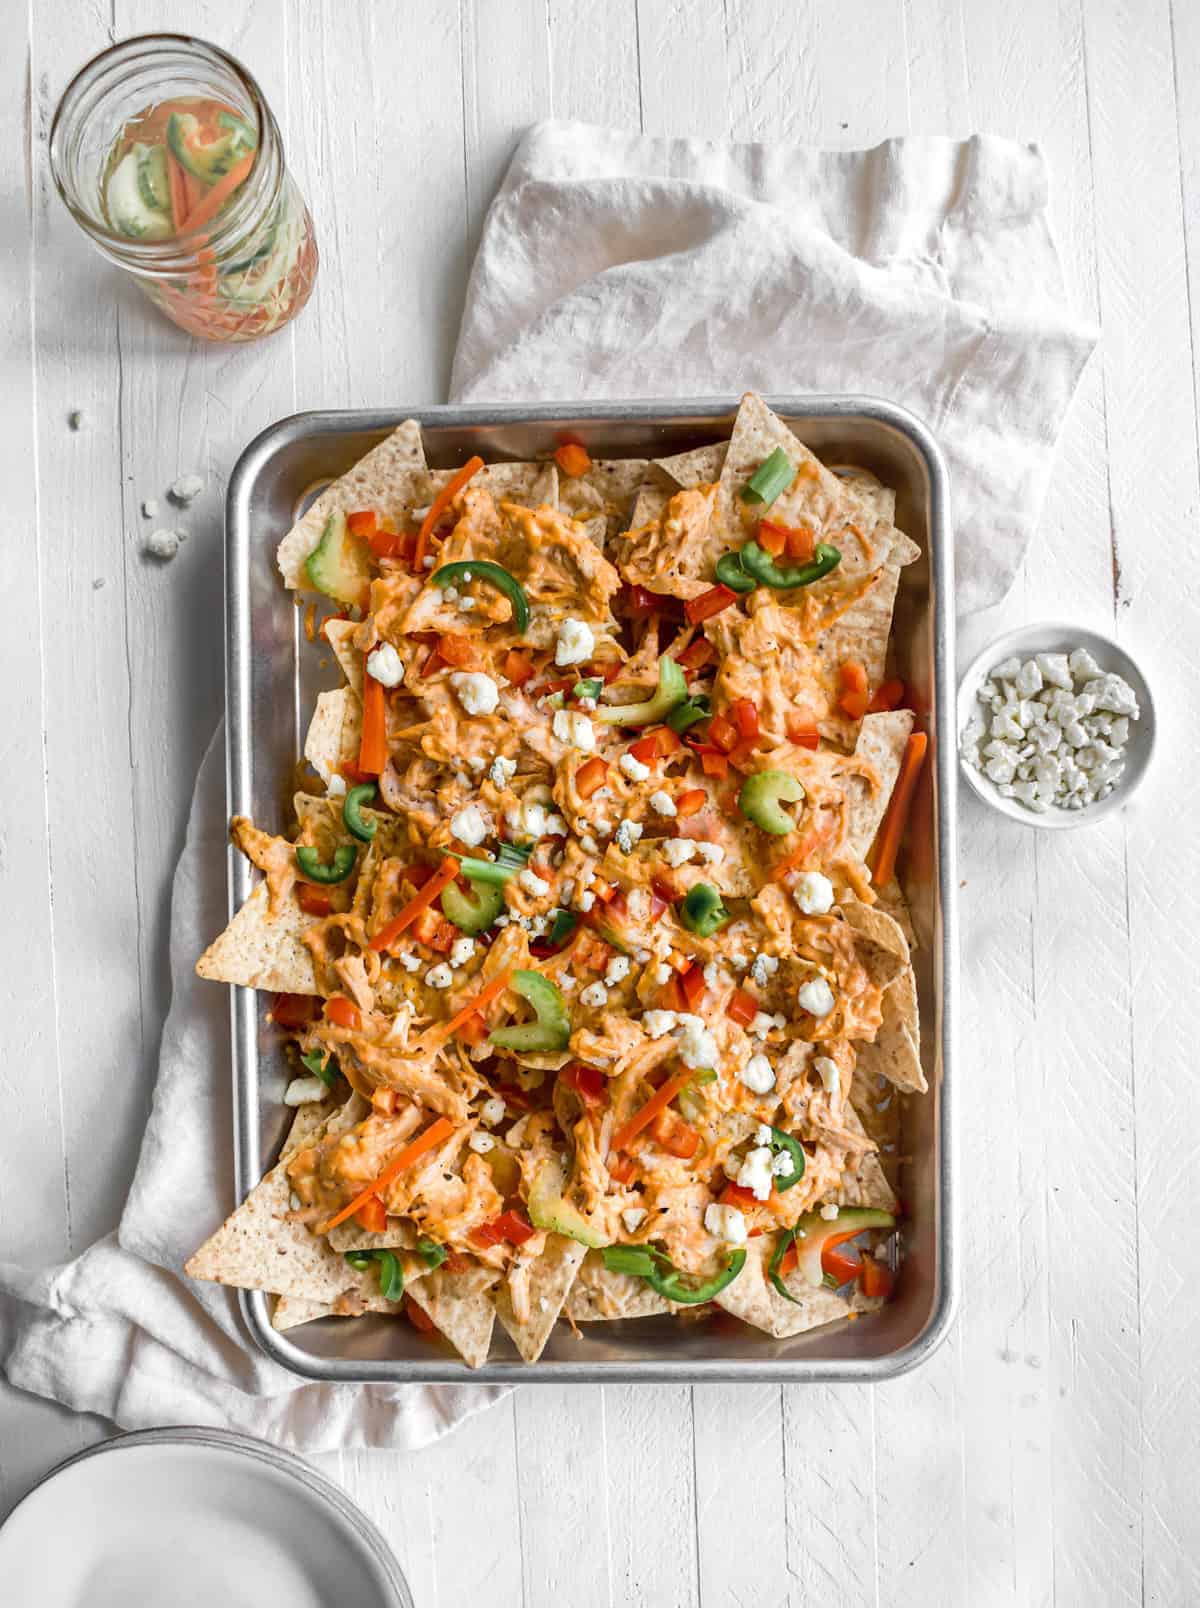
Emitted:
pixel 179 250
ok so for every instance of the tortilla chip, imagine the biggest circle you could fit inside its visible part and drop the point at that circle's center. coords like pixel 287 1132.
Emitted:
pixel 340 635
pixel 259 1247
pixel 863 632
pixel 308 1125
pixel 881 742
pixel 700 467
pixel 461 1306
pixel 816 499
pixel 608 490
pixel 399 1233
pixel 258 950
pixel 881 945
pixel 866 1183
pixel 550 1281
pixel 878 1108
pixel 373 482
pixel 879 498
pixel 895 1052
pixel 601 1296
pixel 335 732
pixel 654 493
pixel 755 1300
pixel 292 1310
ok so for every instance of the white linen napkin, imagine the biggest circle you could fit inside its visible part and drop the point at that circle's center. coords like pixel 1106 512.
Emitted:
pixel 119 1331
pixel 611 265
pixel 923 271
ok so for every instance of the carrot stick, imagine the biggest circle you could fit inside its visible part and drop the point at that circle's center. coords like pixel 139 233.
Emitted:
pixel 883 867
pixel 438 1130
pixel 372 750
pixel 177 183
pixel 434 1036
pixel 441 878
pixel 219 194
pixel 438 507
pixel 658 1101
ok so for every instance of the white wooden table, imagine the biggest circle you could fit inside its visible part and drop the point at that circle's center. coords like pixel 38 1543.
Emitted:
pixel 1049 1452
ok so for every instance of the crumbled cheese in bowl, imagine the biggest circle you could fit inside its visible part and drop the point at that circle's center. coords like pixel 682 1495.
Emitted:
pixel 1050 731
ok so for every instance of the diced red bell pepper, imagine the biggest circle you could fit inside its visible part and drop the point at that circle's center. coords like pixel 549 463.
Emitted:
pixel 741 757
pixel 646 749
pixel 518 667
pixel 875 1278
pixel 745 717
pixel 372 1216
pixel 708 604
pixel 590 776
pixel 641 602
pixel 693 985
pixel 389 543
pixel 842 1267
pixel 589 1082
pixel 363 522
pixel 742 1008
pixel 444 937
pixel 697 654
pixel 456 649
pixel 672 997
pixel 511 1227
pixel 772 538
pixel 802 732
pixel 854 704
pixel 669 742
pixel 722 733
pixel 572 459
pixel 690 802
pixel 293 1010
pixel 714 765
pixel 734 1195
pixel 675 1136
pixel 889 696
pixel 313 901
pixel 801 545
pixel 343 1012
pixel 663 888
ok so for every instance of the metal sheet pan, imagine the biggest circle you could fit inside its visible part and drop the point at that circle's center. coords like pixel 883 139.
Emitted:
pixel 270 689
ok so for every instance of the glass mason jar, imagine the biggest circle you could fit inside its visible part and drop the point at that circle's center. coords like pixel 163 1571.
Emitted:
pixel 167 156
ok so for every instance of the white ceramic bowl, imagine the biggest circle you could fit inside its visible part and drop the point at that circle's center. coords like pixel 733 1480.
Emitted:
pixel 1056 637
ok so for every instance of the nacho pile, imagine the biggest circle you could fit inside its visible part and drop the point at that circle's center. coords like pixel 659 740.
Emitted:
pixel 587 941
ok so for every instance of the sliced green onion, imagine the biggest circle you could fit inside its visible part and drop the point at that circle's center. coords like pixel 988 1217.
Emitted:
pixel 430 1252
pixel 591 688
pixel 509 860
pixel 563 925
pixel 324 1068
pixel 636 1260
pixel 687 714
pixel 773 475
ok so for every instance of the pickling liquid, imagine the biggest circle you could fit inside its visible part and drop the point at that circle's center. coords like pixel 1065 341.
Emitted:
pixel 172 173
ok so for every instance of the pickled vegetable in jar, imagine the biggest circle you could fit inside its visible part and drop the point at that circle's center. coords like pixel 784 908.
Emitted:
pixel 190 193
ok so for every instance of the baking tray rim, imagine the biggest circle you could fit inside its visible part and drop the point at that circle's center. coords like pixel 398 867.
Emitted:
pixel 238 643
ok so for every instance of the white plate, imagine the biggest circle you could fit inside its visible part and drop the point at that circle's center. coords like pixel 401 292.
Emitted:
pixel 1055 637
pixel 193 1518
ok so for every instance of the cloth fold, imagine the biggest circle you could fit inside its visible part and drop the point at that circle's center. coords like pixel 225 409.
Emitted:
pixel 923 271
pixel 611 265
pixel 119 1331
